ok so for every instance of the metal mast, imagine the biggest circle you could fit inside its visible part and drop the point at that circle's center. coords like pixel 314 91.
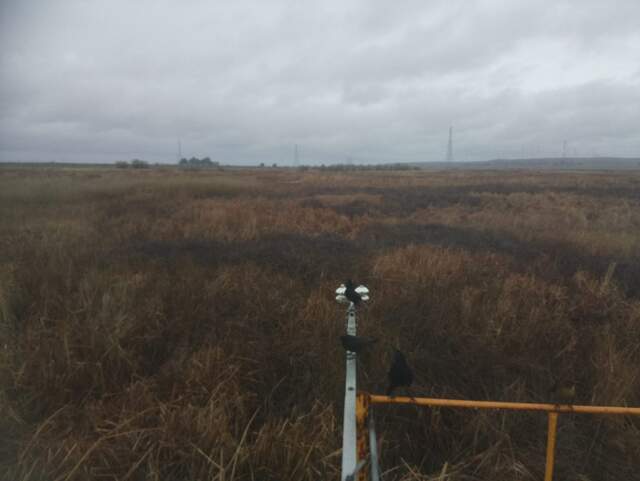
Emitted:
pixel 350 466
pixel 450 146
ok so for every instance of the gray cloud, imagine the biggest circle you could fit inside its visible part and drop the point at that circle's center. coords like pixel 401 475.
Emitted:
pixel 371 80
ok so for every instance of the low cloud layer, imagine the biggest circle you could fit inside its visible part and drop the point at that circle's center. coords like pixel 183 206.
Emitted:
pixel 372 81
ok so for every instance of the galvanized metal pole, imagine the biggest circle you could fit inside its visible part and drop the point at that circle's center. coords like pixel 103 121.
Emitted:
pixel 350 464
pixel 373 449
pixel 349 455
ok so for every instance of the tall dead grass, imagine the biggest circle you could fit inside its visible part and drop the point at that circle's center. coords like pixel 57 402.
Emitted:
pixel 174 325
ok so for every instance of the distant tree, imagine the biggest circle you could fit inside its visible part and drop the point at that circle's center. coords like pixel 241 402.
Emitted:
pixel 195 162
pixel 122 164
pixel 262 165
pixel 274 165
pixel 139 164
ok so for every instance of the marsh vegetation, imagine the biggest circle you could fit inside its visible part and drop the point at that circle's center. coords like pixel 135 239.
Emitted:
pixel 170 324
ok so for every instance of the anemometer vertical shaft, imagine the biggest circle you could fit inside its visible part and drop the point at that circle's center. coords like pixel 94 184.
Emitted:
pixel 349 455
pixel 349 431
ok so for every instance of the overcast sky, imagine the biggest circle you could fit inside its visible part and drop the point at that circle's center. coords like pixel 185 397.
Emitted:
pixel 374 81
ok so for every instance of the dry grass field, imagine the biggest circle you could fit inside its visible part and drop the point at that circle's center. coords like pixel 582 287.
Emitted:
pixel 181 325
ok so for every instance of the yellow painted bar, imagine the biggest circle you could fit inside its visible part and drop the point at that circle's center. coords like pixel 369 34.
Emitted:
pixel 551 446
pixel 463 403
pixel 362 446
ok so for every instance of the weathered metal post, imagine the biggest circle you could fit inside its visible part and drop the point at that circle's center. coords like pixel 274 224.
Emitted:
pixel 373 449
pixel 551 445
pixel 349 432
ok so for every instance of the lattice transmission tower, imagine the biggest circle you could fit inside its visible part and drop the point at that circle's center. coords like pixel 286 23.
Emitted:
pixel 450 146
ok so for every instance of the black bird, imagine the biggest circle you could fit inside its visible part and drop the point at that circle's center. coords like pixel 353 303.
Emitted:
pixel 400 373
pixel 356 343
pixel 351 294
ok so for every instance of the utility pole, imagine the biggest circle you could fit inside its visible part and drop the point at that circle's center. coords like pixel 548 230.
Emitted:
pixel 450 146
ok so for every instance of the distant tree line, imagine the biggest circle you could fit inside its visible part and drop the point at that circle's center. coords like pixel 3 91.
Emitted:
pixel 135 164
pixel 196 162
pixel 359 167
pixel 350 167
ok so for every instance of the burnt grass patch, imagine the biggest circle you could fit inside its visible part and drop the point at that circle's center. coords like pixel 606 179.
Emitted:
pixel 304 257
pixel 407 200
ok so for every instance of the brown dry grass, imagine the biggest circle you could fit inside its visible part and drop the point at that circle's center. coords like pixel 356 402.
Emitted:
pixel 181 325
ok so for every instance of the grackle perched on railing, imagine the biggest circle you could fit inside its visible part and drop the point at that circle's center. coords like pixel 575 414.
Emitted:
pixel 400 373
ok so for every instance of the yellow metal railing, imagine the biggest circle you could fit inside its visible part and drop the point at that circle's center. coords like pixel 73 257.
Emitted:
pixel 364 400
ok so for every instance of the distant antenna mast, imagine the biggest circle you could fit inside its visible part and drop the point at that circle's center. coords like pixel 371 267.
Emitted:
pixel 450 146
pixel 296 160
